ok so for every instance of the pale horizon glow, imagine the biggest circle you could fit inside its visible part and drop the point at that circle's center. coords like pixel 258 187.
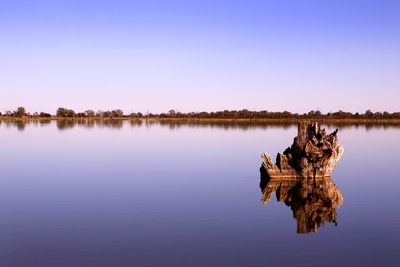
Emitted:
pixel 200 55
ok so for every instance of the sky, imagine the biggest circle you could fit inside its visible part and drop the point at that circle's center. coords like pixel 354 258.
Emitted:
pixel 203 55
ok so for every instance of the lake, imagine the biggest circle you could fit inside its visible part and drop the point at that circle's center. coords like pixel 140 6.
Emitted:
pixel 149 194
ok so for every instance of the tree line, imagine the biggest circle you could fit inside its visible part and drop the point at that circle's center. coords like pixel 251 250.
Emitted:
pixel 247 114
pixel 226 114
pixel 70 113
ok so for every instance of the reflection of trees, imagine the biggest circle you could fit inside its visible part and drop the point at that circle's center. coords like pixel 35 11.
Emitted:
pixel 227 125
pixel 116 124
pixel 21 126
pixel 65 124
pixel 87 123
pixel 44 122
pixel 135 123
pixel 312 201
pixel 69 123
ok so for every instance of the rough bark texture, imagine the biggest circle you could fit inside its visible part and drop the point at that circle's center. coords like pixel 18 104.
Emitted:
pixel 301 177
pixel 312 154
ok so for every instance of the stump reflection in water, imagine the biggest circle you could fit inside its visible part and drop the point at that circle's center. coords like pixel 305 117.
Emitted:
pixel 312 201
pixel 301 177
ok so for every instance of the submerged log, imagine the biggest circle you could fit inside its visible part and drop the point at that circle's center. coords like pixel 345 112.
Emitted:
pixel 314 153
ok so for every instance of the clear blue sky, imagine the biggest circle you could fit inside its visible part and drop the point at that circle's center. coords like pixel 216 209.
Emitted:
pixel 200 55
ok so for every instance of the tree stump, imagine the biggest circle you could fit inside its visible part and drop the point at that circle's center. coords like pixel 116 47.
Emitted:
pixel 301 177
pixel 314 153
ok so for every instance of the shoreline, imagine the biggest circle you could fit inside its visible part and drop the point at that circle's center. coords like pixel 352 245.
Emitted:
pixel 265 121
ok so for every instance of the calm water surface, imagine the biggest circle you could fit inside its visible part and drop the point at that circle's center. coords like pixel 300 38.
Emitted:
pixel 130 194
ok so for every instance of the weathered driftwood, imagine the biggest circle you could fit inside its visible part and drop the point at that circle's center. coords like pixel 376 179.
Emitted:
pixel 301 177
pixel 312 154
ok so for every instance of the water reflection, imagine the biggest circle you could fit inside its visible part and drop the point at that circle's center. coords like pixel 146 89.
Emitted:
pixel 65 124
pixel 89 124
pixel 312 201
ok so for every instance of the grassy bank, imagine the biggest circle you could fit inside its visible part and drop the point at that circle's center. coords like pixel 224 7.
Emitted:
pixel 215 120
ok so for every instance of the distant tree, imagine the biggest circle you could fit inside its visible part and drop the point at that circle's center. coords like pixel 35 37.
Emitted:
pixel 378 115
pixel 107 114
pixel 81 115
pixel 117 113
pixel 20 112
pixel 286 114
pixel 369 114
pixel 71 113
pixel 90 113
pixel 386 115
pixel 133 115
pixel 44 115
pixel 172 113
pixel 61 112
pixel 311 113
pixel 64 112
